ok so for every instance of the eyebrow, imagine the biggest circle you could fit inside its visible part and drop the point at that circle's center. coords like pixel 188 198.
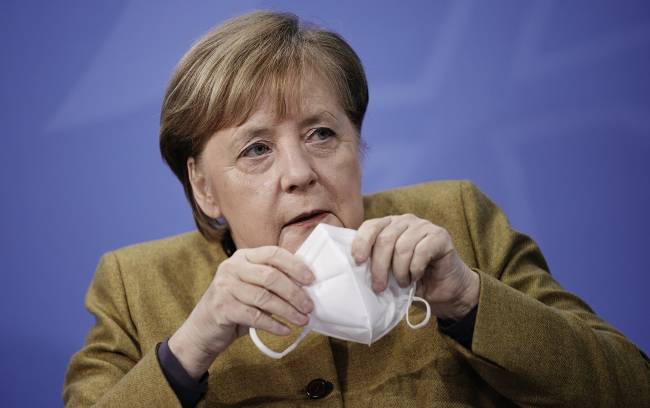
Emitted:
pixel 246 135
pixel 315 118
pixel 242 139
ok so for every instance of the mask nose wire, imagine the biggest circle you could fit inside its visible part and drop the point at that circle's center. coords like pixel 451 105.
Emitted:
pixel 413 298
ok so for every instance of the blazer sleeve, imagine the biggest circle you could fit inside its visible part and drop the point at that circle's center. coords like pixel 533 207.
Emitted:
pixel 110 370
pixel 534 342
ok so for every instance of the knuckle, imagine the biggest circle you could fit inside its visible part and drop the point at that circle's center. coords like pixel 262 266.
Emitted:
pixel 256 316
pixel 420 223
pixel 226 267
pixel 364 225
pixel 429 239
pixel 360 241
pixel 402 250
pixel 269 277
pixel 391 220
pixel 377 223
pixel 275 252
pixel 259 254
pixel 386 238
pixel 241 254
pixel 248 256
pixel 424 226
pixel 262 298
pixel 440 231
pixel 418 265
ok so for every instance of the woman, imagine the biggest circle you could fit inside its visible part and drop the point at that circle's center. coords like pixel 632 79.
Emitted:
pixel 262 125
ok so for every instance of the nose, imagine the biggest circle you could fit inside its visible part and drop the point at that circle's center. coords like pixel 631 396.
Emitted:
pixel 297 171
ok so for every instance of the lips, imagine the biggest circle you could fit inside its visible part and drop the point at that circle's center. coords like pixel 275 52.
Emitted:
pixel 307 217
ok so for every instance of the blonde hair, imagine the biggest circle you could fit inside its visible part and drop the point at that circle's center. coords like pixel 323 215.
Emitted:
pixel 219 82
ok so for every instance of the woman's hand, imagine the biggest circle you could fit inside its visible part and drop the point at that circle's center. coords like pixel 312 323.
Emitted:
pixel 246 290
pixel 417 250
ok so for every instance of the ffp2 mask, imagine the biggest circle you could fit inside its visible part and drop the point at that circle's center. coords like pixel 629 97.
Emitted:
pixel 345 306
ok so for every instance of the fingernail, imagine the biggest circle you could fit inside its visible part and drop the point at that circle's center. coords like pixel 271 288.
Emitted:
pixel 307 276
pixel 285 331
pixel 300 319
pixel 381 286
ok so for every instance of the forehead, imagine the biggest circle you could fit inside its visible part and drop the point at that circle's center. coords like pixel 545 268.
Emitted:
pixel 302 96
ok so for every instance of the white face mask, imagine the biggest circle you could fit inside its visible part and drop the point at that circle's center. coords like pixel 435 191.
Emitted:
pixel 345 306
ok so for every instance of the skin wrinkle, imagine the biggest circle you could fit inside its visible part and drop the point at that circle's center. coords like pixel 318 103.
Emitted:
pixel 298 171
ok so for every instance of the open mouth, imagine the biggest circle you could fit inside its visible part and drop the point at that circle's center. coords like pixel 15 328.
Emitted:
pixel 312 217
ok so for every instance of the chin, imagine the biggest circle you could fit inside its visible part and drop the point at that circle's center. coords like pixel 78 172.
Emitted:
pixel 293 236
pixel 292 241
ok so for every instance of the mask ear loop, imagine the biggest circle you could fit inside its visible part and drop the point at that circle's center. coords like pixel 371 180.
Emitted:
pixel 274 354
pixel 412 299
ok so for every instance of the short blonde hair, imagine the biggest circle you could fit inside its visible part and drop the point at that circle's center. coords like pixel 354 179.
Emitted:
pixel 220 80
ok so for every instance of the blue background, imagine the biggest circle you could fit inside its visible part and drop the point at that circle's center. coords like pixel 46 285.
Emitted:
pixel 545 105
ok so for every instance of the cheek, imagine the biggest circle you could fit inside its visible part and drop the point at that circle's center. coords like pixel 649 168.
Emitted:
pixel 248 206
pixel 268 184
pixel 350 200
pixel 251 201
pixel 347 165
pixel 350 174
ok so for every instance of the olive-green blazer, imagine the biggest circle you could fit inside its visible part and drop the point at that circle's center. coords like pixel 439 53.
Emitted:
pixel 534 343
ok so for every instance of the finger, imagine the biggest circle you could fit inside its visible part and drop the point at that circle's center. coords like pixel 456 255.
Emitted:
pixel 403 254
pixel 382 254
pixel 281 259
pixel 432 247
pixel 365 238
pixel 253 317
pixel 267 302
pixel 277 282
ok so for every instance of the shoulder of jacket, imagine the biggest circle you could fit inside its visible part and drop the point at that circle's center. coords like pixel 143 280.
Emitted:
pixel 187 251
pixel 431 198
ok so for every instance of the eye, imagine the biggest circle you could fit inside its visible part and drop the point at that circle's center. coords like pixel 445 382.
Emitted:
pixel 321 134
pixel 255 150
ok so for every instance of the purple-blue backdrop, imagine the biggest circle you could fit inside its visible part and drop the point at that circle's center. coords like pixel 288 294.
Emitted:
pixel 545 105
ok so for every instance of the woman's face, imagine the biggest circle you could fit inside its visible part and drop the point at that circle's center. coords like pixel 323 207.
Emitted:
pixel 274 179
